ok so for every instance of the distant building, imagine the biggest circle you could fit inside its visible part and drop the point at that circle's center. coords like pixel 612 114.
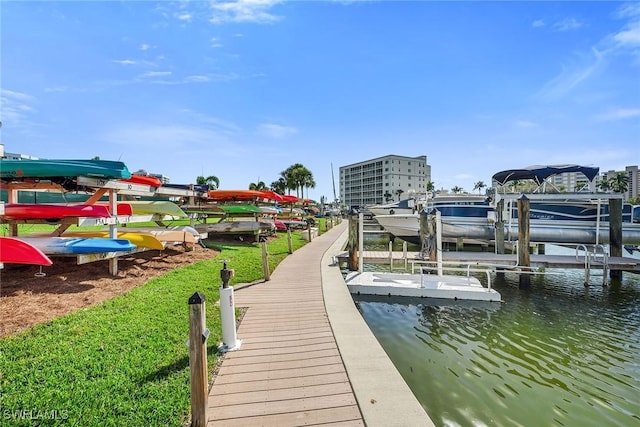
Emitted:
pixel 572 182
pixel 14 156
pixel 163 178
pixel 383 179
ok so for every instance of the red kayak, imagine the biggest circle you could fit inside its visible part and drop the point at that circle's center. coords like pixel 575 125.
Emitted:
pixel 124 209
pixel 14 251
pixel 144 179
pixel 53 211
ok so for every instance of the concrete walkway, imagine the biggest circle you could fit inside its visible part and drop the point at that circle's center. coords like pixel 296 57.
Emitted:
pixel 307 356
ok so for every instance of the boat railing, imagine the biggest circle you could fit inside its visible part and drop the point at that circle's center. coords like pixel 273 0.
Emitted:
pixel 421 266
pixel 598 255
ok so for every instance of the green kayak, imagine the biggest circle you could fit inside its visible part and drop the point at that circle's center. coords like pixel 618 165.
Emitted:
pixel 54 168
pixel 240 209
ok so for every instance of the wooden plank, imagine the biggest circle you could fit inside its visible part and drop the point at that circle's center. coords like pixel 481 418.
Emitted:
pixel 307 417
pixel 265 345
pixel 276 384
pixel 224 378
pixel 272 407
pixel 238 359
pixel 283 364
pixel 283 394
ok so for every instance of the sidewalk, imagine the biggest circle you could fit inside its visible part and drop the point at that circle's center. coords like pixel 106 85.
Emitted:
pixel 290 371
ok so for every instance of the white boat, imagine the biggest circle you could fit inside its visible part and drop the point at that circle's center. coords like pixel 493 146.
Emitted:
pixel 406 206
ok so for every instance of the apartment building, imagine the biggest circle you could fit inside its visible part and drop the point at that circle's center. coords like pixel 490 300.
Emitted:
pixel 572 182
pixel 383 179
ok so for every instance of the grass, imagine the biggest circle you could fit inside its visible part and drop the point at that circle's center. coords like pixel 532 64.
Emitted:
pixel 125 361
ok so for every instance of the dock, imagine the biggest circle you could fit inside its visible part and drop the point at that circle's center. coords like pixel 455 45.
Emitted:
pixel 307 356
pixel 487 258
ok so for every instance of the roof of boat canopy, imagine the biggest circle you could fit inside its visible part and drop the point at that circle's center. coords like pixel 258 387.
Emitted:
pixel 539 173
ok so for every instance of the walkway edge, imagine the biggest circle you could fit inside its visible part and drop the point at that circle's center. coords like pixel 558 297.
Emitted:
pixel 384 398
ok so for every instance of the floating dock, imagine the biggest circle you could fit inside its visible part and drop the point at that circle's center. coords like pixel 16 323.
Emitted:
pixel 420 285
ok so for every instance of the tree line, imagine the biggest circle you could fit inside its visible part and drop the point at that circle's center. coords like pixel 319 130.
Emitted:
pixel 296 177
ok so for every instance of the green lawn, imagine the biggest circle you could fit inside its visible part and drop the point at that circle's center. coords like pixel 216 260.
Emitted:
pixel 124 362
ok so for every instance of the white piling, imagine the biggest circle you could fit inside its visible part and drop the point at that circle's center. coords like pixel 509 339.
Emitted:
pixel 230 341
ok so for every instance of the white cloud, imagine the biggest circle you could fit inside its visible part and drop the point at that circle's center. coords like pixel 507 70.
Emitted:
pixel 124 61
pixel 567 24
pixel 197 79
pixel 152 74
pixel 538 23
pixel 525 124
pixel 145 46
pixel 255 11
pixel 630 36
pixel 573 75
pixel 275 131
pixel 16 108
pixel 184 16
pixel 215 42
pixel 619 114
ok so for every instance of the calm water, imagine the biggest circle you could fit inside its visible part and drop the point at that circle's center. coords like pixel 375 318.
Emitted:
pixel 556 354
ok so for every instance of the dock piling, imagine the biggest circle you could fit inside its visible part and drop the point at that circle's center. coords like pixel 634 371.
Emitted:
pixel 524 259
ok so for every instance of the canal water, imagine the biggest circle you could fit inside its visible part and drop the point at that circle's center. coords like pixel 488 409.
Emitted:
pixel 555 354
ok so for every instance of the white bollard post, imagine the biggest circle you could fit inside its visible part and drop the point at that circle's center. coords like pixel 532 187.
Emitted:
pixel 230 341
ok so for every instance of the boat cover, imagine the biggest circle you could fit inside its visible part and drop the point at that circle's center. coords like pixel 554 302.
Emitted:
pixel 539 173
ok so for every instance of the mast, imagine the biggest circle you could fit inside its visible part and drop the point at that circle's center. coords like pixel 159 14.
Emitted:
pixel 333 180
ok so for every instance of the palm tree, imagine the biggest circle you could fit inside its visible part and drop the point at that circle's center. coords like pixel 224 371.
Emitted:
pixel 308 181
pixel 279 186
pixel 212 181
pixel 387 196
pixel 456 190
pixel 479 186
pixel 290 178
pixel 620 182
pixel 260 185
pixel 604 184
pixel 297 177
pixel 399 192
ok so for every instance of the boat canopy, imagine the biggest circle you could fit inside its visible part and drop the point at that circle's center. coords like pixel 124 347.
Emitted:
pixel 539 173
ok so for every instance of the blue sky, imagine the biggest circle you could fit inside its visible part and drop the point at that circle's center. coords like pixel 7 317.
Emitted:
pixel 244 89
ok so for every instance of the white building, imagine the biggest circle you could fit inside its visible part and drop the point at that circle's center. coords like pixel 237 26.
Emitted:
pixel 573 182
pixel 383 179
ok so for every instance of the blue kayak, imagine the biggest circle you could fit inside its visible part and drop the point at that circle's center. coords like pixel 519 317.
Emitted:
pixel 78 245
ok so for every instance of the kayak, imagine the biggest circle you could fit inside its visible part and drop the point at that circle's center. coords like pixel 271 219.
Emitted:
pixel 144 180
pixel 140 239
pixel 52 168
pixel 53 211
pixel 15 251
pixel 78 245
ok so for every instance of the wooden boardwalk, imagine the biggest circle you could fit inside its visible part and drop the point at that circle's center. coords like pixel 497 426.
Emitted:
pixel 288 371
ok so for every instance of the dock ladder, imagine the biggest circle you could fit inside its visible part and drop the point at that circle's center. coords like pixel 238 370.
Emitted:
pixel 597 256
